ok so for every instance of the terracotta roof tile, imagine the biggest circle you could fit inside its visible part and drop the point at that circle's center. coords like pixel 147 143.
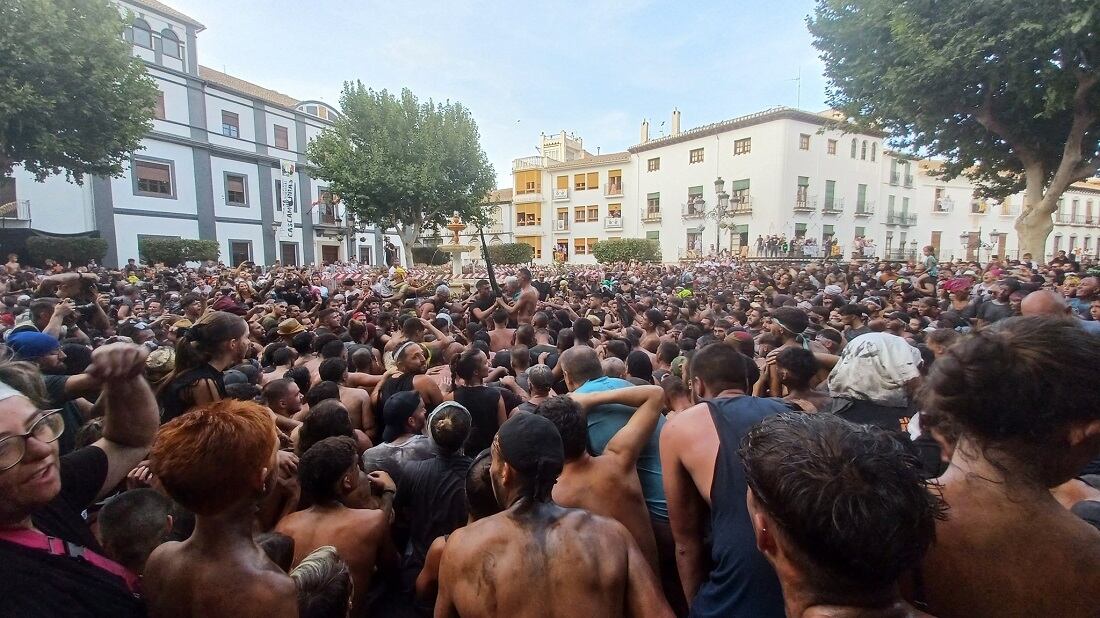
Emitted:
pixel 248 88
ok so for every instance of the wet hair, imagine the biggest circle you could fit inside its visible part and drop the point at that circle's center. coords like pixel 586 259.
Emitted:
pixel 362 359
pixel 89 433
pixel 568 417
pixel 77 358
pixel 201 343
pixel 449 425
pixel 989 383
pixel 301 377
pixel 329 418
pixel 281 356
pixel 654 316
pixel 520 357
pixel 800 365
pixel 278 547
pixel 525 335
pixel 209 458
pixel 582 330
pixel 242 391
pixel 850 499
pixel 639 366
pixel 323 581
pixel 332 370
pixel 322 391
pixel 320 341
pixel 481 502
pixel 500 316
pixel 132 524
pixel 276 390
pixel 465 365
pixel 332 349
pixel 666 351
pixel 674 387
pixel 252 372
pixel 720 367
pixel 617 348
pixel 25 377
pixel 302 342
pixel 565 338
pixel 323 464
pixel 944 337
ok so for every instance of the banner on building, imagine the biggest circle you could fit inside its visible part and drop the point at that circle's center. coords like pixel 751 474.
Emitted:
pixel 287 198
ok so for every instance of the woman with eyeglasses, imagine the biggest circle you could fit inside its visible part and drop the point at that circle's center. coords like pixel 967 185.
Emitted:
pixel 50 562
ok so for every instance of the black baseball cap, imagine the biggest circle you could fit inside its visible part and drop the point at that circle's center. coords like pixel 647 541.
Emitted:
pixel 398 409
pixel 532 445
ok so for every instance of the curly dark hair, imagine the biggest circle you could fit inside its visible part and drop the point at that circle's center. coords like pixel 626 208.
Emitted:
pixel 1017 384
pixel 850 498
pixel 323 464
pixel 570 421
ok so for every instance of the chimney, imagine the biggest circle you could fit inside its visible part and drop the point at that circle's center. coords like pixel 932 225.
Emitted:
pixel 675 122
pixel 645 131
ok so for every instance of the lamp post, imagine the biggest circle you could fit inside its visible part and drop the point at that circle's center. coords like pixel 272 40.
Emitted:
pixel 722 202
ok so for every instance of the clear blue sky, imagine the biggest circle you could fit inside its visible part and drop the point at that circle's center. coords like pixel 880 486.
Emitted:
pixel 593 68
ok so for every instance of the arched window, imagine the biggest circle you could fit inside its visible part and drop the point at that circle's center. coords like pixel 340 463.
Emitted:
pixel 143 36
pixel 170 44
pixel 874 149
pixel 863 151
pixel 854 145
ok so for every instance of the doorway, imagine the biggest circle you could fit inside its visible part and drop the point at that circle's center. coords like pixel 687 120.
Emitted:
pixel 330 254
pixel 288 253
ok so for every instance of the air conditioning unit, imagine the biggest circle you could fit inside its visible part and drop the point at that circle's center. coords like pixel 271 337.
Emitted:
pixel 560 225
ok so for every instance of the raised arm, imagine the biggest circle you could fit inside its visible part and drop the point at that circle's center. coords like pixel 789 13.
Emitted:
pixel 628 442
pixel 131 416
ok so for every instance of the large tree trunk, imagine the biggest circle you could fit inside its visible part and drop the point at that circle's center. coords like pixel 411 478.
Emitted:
pixel 408 233
pixel 1035 223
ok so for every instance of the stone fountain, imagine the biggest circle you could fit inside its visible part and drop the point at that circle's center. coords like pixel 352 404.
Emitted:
pixel 455 248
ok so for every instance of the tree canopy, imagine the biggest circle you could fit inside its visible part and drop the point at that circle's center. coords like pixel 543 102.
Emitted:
pixel 73 98
pixel 1006 92
pixel 397 162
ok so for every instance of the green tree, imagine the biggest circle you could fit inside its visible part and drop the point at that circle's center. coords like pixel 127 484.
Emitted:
pixel 72 96
pixel 1007 92
pixel 397 162
pixel 511 253
pixel 627 250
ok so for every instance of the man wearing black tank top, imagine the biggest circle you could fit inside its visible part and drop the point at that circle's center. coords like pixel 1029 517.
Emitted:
pixel 703 472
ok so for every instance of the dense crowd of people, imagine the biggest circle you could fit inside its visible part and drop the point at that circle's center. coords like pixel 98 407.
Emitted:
pixel 728 437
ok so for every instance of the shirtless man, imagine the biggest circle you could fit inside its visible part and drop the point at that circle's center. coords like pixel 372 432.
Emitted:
pixel 222 484
pixel 283 359
pixel 796 368
pixel 1007 547
pixel 527 302
pixel 328 473
pixel 536 558
pixel 699 455
pixel 651 337
pixel 356 400
pixel 501 337
pixel 284 399
pixel 607 485
pixel 841 486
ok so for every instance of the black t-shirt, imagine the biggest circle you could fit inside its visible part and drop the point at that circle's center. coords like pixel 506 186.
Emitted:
pixel 173 400
pixel 482 402
pixel 36 583
pixel 74 420
pixel 432 499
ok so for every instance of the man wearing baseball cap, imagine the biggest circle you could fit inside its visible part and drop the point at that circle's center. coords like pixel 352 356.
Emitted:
pixel 403 436
pixel 531 549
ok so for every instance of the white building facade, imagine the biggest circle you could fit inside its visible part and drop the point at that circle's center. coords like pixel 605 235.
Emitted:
pixel 779 172
pixel 225 160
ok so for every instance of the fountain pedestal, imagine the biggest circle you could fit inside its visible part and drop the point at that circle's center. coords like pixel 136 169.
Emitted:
pixel 456 252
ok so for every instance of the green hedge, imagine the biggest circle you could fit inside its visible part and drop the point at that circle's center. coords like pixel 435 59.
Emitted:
pixel 176 251
pixel 430 255
pixel 627 250
pixel 511 253
pixel 78 251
